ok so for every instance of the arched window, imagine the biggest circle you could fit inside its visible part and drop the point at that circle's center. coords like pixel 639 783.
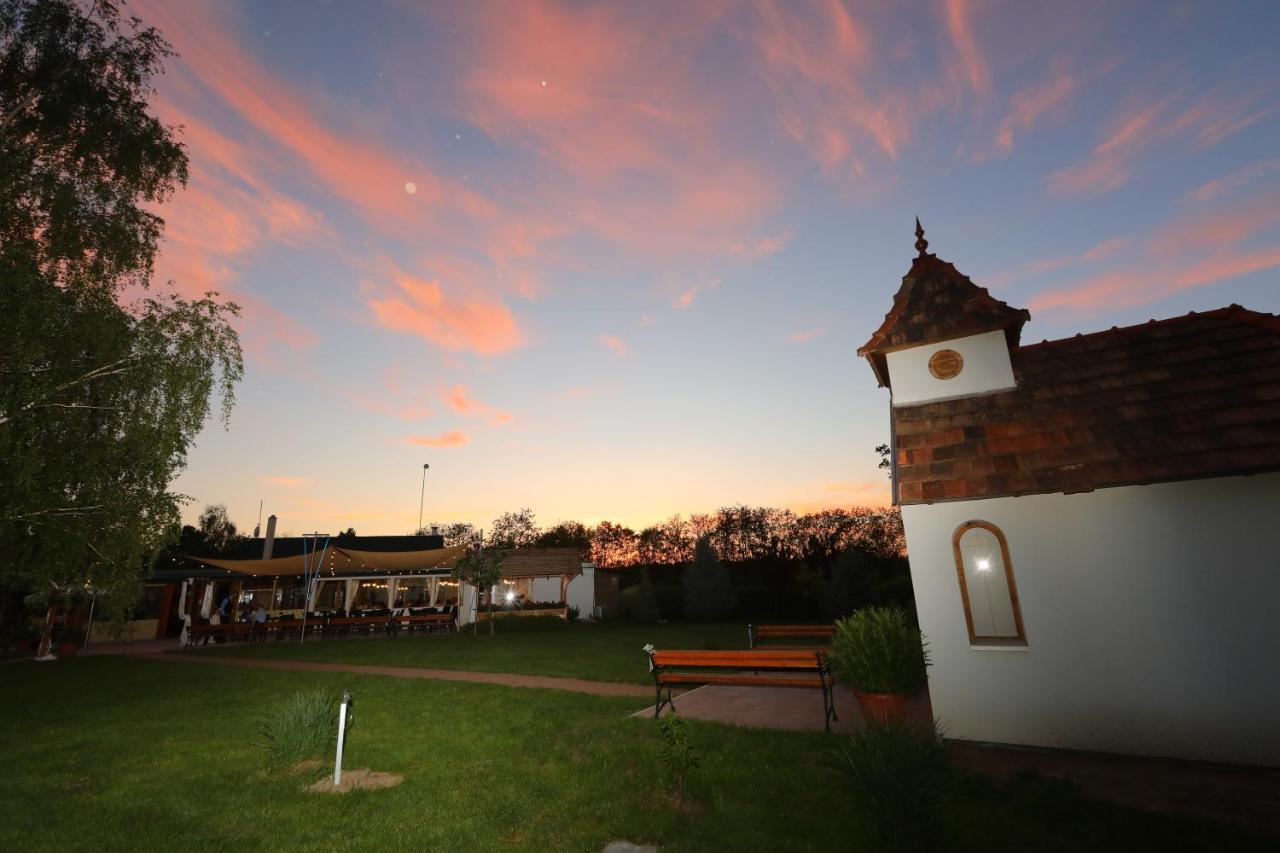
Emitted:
pixel 987 589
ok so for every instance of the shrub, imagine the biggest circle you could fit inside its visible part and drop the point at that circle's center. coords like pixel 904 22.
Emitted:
pixel 708 591
pixel 880 650
pixel 522 624
pixel 639 603
pixel 679 759
pixel 572 613
pixel 898 785
pixel 305 725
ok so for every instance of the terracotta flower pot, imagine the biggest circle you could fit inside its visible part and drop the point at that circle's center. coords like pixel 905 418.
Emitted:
pixel 881 709
pixel 68 650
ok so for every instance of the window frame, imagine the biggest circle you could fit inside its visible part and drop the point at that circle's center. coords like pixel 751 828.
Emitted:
pixel 977 639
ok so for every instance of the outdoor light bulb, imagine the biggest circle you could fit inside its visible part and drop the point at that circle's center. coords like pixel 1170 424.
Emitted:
pixel 511 596
pixel 983 565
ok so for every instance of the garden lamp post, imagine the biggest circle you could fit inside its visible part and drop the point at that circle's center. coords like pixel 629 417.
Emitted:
pixel 422 496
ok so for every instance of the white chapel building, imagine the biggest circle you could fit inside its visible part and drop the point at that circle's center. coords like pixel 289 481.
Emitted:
pixel 1093 523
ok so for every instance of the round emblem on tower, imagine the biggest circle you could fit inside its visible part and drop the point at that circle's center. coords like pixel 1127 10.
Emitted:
pixel 946 364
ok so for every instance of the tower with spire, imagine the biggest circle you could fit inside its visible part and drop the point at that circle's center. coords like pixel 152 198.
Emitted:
pixel 944 336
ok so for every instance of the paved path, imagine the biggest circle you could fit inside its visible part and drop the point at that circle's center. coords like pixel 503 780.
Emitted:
pixel 508 679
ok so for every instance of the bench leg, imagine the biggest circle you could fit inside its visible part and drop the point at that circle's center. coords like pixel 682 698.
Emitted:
pixel 828 703
pixel 660 702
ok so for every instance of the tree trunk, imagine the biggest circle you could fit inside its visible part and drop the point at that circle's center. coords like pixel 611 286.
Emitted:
pixel 46 637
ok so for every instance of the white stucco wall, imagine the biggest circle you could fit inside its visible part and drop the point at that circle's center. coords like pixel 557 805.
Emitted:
pixel 582 591
pixel 986 368
pixel 1152 616
pixel 544 589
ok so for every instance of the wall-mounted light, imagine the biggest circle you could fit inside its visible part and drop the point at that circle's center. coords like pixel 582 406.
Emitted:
pixel 984 565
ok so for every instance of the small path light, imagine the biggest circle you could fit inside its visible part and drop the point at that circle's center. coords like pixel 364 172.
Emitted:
pixel 344 714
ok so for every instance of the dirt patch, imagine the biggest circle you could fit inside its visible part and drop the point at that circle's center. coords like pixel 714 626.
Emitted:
pixel 678 802
pixel 353 779
pixel 309 765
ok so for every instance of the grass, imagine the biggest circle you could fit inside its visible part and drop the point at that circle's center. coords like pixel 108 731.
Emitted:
pixel 598 652
pixel 108 754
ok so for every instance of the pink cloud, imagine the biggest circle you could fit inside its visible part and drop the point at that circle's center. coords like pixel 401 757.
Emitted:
pixel 1095 254
pixel 614 343
pixel 805 336
pixel 609 100
pixel 1029 106
pixel 684 300
pixel 287 482
pixel 1191 252
pixel 457 438
pixel 762 247
pixel 972 63
pixel 1204 123
pixel 459 399
pixel 1230 182
pixel 474 322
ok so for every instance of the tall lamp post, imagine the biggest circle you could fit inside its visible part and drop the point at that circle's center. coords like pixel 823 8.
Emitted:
pixel 423 496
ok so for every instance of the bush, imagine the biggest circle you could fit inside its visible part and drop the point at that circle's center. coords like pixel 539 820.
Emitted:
pixel 678 756
pixel 880 650
pixel 708 590
pixel 898 785
pixel 522 624
pixel 639 603
pixel 572 613
pixel 303 726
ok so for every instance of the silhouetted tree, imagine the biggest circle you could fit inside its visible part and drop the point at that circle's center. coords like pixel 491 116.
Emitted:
pixel 566 534
pixel 513 530
pixel 216 527
pixel 708 590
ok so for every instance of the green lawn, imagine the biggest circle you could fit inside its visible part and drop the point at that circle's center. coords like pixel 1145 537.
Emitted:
pixel 600 652
pixel 119 754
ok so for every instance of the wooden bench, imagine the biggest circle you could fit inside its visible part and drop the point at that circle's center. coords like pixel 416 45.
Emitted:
pixel 427 621
pixel 364 624
pixel 755 668
pixel 820 634
pixel 227 630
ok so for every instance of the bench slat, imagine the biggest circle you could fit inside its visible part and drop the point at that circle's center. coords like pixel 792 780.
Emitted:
pixel 741 680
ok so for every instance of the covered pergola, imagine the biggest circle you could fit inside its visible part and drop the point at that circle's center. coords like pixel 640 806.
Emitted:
pixel 341 579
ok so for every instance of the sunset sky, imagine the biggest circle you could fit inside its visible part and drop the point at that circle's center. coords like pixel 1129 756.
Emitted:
pixel 614 260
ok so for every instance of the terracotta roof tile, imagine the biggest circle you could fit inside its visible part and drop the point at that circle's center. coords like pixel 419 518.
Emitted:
pixel 937 302
pixel 1194 396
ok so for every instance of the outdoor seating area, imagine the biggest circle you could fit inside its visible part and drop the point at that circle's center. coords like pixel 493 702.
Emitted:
pixel 328 625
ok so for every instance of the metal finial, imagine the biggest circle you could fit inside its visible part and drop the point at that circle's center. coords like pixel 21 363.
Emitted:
pixel 921 243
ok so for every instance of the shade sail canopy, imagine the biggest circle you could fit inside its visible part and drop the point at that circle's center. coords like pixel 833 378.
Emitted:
pixel 342 561
pixel 337 560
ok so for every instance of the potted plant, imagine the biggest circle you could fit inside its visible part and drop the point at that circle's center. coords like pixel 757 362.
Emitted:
pixel 881 653
pixel 70 638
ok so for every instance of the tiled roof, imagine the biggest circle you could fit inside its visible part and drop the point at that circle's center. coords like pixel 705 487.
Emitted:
pixel 1194 396
pixel 541 562
pixel 937 302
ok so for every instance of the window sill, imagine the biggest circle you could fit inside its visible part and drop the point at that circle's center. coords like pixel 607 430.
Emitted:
pixel 999 647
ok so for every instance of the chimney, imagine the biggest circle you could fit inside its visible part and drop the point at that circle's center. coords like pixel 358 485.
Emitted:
pixel 435 530
pixel 269 542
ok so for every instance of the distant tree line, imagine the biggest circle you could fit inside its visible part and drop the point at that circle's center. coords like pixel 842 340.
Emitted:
pixel 741 560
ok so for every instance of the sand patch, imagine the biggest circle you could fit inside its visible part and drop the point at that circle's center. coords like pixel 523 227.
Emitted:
pixel 353 779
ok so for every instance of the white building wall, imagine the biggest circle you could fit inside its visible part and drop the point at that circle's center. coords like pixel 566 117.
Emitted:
pixel 544 589
pixel 1152 616
pixel 582 592
pixel 987 368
